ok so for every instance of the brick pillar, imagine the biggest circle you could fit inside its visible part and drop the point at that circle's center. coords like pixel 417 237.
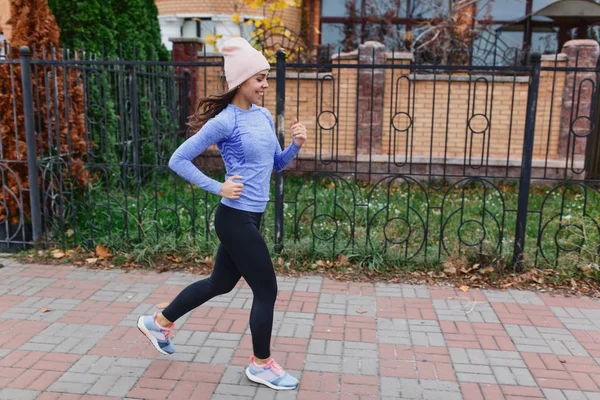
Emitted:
pixel 187 49
pixel 577 97
pixel 371 84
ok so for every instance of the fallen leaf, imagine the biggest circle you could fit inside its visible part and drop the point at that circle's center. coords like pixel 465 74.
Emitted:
pixel 563 361
pixel 464 288
pixel 91 260
pixel 361 310
pixel 586 269
pixel 280 261
pixel 70 232
pixel 487 270
pixel 102 251
pixel 474 267
pixel 162 305
pixel 45 309
pixel 57 254
pixel 450 269
pixel 343 260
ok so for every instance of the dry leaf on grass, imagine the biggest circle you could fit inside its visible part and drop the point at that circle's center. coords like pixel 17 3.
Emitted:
pixel 102 251
pixel 57 254
pixel 487 270
pixel 343 260
pixel 450 270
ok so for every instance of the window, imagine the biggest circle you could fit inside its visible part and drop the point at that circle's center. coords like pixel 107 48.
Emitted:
pixel 544 42
pixel 427 8
pixel 199 27
pixel 380 7
pixel 208 27
pixel 336 8
pixel 190 28
pixel 501 10
pixel 497 47
pixel 332 34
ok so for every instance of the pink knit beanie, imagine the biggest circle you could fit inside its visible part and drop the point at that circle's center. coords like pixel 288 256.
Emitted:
pixel 242 61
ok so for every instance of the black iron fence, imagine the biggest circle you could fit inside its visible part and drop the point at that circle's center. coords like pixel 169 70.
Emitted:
pixel 405 161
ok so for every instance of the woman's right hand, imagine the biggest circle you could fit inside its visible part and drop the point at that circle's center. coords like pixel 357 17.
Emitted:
pixel 230 189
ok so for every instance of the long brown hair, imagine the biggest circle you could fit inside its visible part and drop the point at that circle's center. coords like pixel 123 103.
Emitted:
pixel 209 107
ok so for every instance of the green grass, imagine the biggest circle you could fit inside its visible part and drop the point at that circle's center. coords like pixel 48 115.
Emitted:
pixel 397 223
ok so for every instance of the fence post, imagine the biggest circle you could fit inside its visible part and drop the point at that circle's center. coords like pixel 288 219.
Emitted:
pixel 135 126
pixel 525 179
pixel 280 126
pixel 592 155
pixel 32 162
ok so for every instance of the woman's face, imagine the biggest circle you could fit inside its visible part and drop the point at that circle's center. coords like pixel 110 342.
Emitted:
pixel 253 89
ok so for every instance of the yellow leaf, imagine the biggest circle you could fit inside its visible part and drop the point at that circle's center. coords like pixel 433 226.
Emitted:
pixel 236 18
pixel 280 5
pixel 254 4
pixel 211 39
pixel 249 22
pixel 102 251
pixel 464 288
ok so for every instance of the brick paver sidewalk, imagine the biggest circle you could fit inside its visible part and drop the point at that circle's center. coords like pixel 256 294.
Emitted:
pixel 344 341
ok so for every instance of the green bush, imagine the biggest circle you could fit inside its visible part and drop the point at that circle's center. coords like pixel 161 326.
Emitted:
pixel 106 25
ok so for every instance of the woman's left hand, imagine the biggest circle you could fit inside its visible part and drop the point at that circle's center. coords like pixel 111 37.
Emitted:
pixel 298 133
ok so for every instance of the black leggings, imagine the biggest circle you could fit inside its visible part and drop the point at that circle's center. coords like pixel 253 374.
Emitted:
pixel 242 252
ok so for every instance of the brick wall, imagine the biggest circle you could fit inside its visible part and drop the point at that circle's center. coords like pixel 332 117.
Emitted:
pixel 291 16
pixel 481 116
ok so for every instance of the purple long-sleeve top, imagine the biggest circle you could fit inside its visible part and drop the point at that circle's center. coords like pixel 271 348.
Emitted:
pixel 249 147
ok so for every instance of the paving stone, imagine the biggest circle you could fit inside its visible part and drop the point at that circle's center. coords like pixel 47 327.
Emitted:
pixel 67 338
pixel 467 311
pixel 545 340
pixel 385 333
pixel 18 394
pixel 409 332
pixel 405 291
pixel 398 388
pixel 23 286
